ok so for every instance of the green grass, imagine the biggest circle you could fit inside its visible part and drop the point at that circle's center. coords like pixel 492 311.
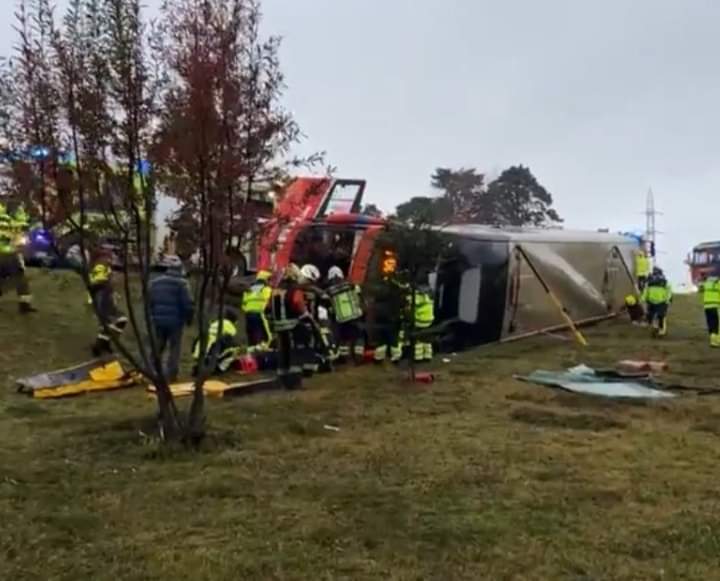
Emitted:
pixel 474 477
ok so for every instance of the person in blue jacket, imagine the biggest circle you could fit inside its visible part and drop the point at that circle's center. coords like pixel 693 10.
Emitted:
pixel 171 308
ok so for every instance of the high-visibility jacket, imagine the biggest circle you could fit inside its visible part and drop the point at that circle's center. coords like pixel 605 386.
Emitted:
pixel 228 329
pixel 7 234
pixel 424 310
pixel 100 273
pixel 256 298
pixel 345 299
pixel 642 264
pixel 657 292
pixel 710 288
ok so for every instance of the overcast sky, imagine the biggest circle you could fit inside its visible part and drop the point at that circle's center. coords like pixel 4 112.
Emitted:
pixel 601 99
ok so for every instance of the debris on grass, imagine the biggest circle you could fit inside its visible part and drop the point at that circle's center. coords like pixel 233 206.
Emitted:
pixel 643 366
pixel 585 380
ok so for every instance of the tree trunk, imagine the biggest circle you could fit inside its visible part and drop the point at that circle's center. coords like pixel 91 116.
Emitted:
pixel 195 431
pixel 168 420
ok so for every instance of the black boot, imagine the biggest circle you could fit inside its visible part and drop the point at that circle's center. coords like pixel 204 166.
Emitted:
pixel 26 308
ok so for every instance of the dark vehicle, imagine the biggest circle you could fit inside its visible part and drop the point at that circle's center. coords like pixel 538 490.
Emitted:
pixel 704 261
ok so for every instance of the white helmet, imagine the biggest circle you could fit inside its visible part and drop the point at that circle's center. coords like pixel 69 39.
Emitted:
pixel 310 272
pixel 335 272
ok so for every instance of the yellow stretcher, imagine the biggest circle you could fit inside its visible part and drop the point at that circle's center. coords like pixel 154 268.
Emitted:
pixel 93 376
pixel 220 389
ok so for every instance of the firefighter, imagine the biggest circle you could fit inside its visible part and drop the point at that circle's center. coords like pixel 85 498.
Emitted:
pixel 347 315
pixel 424 317
pixel 222 345
pixel 642 267
pixel 388 307
pixel 12 266
pixel 255 302
pixel 635 310
pixel 710 289
pixel 290 315
pixel 657 296
pixel 102 296
pixel 318 303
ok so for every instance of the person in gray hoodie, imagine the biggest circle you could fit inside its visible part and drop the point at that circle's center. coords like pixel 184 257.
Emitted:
pixel 171 308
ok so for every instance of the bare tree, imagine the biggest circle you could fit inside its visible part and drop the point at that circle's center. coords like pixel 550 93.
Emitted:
pixel 222 134
pixel 197 98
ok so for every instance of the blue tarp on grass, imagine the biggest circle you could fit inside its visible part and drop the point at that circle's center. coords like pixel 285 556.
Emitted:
pixel 583 379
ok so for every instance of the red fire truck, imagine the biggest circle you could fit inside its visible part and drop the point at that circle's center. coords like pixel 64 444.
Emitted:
pixel 704 261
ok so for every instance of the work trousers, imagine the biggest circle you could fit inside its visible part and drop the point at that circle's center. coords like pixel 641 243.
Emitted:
pixel 104 299
pixel 389 340
pixel 642 282
pixel 712 318
pixel 258 332
pixel 12 269
pixel 169 339
pixel 351 340
pixel 293 355
pixel 423 351
pixel 312 346
pixel 657 318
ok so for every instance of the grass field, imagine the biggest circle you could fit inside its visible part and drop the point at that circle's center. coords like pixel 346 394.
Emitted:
pixel 474 477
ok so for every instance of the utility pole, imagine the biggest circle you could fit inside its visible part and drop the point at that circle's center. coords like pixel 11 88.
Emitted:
pixel 651 223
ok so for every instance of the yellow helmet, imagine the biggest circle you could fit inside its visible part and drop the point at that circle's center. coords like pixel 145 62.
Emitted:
pixel 292 272
pixel 631 300
pixel 264 275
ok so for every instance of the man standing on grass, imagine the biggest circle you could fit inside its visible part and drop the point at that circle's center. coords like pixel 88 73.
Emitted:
pixel 12 266
pixel 171 309
pixel 710 289
pixel 657 296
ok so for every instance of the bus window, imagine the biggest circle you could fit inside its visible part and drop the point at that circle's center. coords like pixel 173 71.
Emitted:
pixel 345 197
pixel 325 246
pixel 470 295
pixel 700 258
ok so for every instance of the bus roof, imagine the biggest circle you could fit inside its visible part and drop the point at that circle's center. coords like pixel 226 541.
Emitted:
pixel 707 245
pixel 551 235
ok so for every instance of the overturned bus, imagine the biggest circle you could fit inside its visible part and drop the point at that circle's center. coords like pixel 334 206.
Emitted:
pixel 495 285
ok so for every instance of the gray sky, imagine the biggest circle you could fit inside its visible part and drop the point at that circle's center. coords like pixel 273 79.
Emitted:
pixel 601 99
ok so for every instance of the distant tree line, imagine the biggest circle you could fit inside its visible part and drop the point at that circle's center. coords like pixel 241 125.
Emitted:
pixel 515 198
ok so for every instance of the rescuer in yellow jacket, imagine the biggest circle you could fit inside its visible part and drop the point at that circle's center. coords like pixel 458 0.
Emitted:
pixel 102 295
pixel 424 315
pixel 642 268
pixel 657 296
pixel 222 348
pixel 255 303
pixel 347 314
pixel 710 289
pixel 12 266
pixel 635 310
